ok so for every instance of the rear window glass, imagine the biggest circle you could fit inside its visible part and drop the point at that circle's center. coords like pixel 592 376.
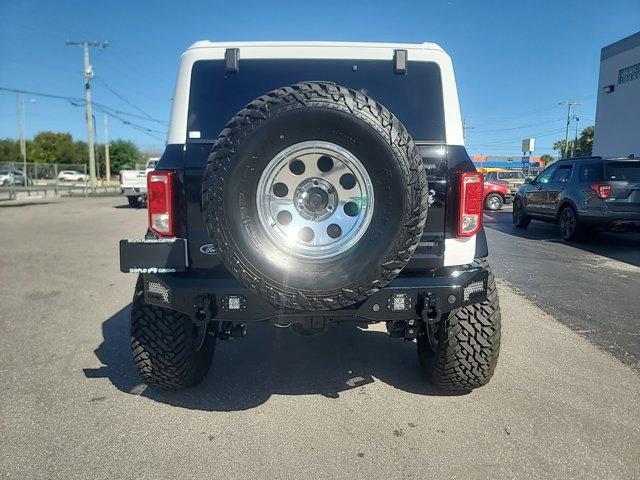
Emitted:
pixel 592 173
pixel 415 98
pixel 623 171
pixel 511 175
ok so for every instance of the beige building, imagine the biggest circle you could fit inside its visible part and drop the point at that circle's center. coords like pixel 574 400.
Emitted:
pixel 618 113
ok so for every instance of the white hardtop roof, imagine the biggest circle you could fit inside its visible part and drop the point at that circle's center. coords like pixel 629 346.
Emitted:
pixel 207 50
pixel 399 46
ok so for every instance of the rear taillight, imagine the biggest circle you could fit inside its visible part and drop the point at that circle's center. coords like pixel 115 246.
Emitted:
pixel 160 203
pixel 471 193
pixel 603 190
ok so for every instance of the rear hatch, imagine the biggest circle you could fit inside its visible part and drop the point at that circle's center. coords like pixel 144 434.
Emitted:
pixel 624 178
pixel 415 98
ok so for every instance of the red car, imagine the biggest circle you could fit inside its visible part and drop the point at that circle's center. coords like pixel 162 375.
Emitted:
pixel 496 194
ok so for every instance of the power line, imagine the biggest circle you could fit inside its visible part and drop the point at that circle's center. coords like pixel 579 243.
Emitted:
pixel 131 104
pixel 79 102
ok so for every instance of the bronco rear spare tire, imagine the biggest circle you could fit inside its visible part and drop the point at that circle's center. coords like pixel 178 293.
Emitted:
pixel 316 196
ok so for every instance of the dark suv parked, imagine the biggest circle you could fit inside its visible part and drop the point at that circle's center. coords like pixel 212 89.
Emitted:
pixel 582 192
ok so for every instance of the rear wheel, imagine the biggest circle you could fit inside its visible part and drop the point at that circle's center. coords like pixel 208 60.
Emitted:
pixel 519 215
pixel 493 201
pixel 568 224
pixel 461 351
pixel 134 202
pixel 166 345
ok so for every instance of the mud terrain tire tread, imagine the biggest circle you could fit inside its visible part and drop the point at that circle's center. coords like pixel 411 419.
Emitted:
pixel 163 343
pixel 327 95
pixel 468 344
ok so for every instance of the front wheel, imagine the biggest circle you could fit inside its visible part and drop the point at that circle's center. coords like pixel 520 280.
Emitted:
pixel 519 215
pixel 460 352
pixel 166 345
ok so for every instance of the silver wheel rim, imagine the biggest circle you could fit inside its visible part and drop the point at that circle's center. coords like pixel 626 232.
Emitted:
pixel 315 200
pixel 494 203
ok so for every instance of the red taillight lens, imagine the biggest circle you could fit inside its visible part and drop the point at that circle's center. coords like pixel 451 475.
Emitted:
pixel 603 190
pixel 471 196
pixel 160 203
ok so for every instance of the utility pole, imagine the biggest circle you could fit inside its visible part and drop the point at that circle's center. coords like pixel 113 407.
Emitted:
pixel 88 75
pixel 574 143
pixel 570 104
pixel 107 161
pixel 23 144
pixel 464 129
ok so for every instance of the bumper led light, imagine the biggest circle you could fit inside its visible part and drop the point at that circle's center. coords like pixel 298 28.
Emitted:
pixel 233 303
pixel 399 302
pixel 473 288
pixel 158 290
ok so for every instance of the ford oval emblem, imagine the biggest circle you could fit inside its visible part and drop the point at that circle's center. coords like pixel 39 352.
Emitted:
pixel 208 249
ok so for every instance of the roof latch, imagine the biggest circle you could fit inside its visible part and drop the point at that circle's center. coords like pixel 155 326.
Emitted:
pixel 400 61
pixel 232 59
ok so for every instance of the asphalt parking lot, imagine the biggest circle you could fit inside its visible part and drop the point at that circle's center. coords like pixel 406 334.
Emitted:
pixel 347 404
pixel 591 286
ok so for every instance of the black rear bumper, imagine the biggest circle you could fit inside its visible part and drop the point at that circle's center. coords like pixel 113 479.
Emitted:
pixel 404 298
pixel 169 283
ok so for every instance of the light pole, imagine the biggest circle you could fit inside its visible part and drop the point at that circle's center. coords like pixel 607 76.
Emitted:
pixel 575 142
pixel 570 104
pixel 21 129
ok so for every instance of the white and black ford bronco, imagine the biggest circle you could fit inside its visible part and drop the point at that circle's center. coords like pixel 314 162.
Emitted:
pixel 307 183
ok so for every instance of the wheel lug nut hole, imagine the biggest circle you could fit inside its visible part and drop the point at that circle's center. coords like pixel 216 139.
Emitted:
pixel 315 182
pixel 334 230
pixel 284 217
pixel 306 235
pixel 325 163
pixel 297 167
pixel 280 190
pixel 348 181
pixel 351 209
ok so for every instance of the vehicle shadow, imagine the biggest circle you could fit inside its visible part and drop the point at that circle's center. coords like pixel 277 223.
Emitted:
pixel 623 247
pixel 272 360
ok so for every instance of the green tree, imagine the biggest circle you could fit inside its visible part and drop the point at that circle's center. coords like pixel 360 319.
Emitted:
pixel 123 154
pixel 585 142
pixel 582 148
pixel 547 159
pixel 9 150
pixel 51 147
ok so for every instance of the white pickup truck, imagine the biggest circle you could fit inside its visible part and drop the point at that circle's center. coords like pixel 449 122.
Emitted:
pixel 133 183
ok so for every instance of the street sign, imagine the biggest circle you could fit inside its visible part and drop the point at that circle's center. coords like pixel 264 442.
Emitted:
pixel 528 145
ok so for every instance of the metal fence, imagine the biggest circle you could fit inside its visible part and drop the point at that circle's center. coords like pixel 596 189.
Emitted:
pixel 45 179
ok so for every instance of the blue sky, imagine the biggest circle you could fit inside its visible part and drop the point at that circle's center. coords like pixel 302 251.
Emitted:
pixel 514 60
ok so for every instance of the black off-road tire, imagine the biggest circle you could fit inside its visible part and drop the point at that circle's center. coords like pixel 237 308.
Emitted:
pixel 134 202
pixel 467 344
pixel 164 345
pixel 523 220
pixel 322 112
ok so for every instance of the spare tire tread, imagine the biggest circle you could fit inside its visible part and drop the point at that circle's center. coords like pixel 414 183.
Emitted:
pixel 315 94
